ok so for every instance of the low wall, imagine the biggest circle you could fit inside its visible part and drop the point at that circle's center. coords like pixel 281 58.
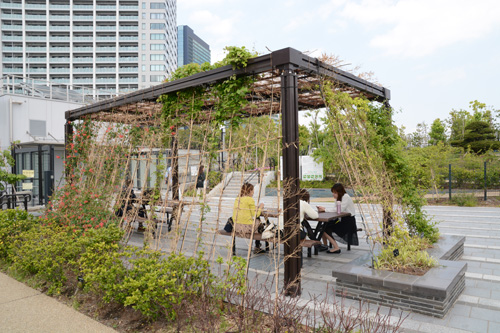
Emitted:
pixel 432 294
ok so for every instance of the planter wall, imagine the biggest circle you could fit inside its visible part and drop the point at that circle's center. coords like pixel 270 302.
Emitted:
pixel 432 294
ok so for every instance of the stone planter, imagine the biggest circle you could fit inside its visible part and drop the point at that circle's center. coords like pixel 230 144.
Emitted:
pixel 432 294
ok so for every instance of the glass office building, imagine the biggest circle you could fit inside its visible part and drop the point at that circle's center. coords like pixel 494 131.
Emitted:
pixel 191 48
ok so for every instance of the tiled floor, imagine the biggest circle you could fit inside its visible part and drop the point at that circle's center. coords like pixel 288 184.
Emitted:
pixel 477 309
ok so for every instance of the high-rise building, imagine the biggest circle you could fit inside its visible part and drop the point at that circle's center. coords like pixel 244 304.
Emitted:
pixel 115 45
pixel 191 48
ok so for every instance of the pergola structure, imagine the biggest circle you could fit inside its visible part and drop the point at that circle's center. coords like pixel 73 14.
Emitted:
pixel 285 81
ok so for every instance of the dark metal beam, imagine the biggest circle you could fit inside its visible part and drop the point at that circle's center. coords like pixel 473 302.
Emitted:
pixel 255 66
pixel 290 131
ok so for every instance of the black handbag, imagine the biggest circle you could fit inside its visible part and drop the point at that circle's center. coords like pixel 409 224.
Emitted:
pixel 229 225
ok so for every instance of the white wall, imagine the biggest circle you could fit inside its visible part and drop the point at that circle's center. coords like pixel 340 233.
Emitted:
pixel 51 111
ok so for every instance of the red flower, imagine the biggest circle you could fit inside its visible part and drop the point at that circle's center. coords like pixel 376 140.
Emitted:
pixel 173 133
pixel 58 156
pixel 172 127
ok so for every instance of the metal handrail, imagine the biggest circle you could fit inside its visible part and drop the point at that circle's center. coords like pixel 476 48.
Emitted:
pixel 11 200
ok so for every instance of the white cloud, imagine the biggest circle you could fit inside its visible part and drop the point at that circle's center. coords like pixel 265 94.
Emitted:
pixel 445 77
pixel 415 28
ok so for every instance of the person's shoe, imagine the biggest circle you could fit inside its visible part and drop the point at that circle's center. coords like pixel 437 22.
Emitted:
pixel 258 250
pixel 322 247
pixel 334 252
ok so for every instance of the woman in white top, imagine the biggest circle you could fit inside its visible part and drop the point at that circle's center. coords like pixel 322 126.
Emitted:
pixel 305 210
pixel 341 229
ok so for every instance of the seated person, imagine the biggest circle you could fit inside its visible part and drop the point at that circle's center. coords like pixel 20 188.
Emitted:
pixel 128 198
pixel 341 229
pixel 246 214
pixel 305 209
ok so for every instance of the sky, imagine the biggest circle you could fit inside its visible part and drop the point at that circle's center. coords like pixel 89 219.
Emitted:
pixel 434 55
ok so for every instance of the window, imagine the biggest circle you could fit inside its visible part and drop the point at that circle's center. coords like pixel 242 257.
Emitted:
pixel 157 16
pixel 143 5
pixel 156 78
pixel 158 26
pixel 144 47
pixel 143 36
pixel 143 57
pixel 157 68
pixel 143 68
pixel 158 47
pixel 158 37
pixel 158 5
pixel 144 15
pixel 157 57
pixel 144 26
pixel 144 78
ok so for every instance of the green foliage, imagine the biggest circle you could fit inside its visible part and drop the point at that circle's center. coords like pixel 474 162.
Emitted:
pixel 464 200
pixel 478 137
pixel 50 252
pixel 13 223
pixel 437 133
pixel 412 255
pixel 7 178
pixel 214 178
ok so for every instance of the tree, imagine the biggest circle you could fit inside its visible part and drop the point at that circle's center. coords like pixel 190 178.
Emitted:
pixel 7 178
pixel 420 137
pixel 304 140
pixel 479 137
pixel 437 133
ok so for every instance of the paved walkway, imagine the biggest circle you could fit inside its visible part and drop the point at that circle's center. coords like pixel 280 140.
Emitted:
pixel 23 309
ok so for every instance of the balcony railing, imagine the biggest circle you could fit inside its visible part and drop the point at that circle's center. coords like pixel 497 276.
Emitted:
pixel 105 80
pixel 129 48
pixel 59 59
pixel 83 27
pixel 82 18
pixel 12 70
pixel 12 38
pixel 60 38
pixel 83 81
pixel 107 38
pixel 59 6
pixel 105 18
pixel 37 17
pixel 32 60
pixel 36 49
pixel 83 49
pixel 105 59
pixel 36 38
pixel 129 38
pixel 37 70
pixel 83 59
pixel 129 59
pixel 59 70
pixel 12 48
pixel 129 7
pixel 128 79
pixel 105 49
pixel 12 59
pixel 106 69
pixel 12 16
pixel 59 17
pixel 106 28
pixel 129 27
pixel 10 5
pixel 135 18
pixel 12 27
pixel 59 27
pixel 59 49
pixel 83 70
pixel 85 38
pixel 129 69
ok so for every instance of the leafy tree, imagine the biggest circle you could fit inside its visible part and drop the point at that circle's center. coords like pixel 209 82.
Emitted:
pixel 437 133
pixel 479 137
pixel 420 137
pixel 304 140
pixel 7 178
pixel 457 121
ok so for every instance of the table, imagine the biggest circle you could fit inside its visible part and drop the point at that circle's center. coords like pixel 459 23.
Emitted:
pixel 332 217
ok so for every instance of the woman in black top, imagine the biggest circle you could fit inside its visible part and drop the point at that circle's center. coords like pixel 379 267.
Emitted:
pixel 200 180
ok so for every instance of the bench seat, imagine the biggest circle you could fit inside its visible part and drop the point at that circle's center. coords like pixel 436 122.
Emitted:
pixel 308 243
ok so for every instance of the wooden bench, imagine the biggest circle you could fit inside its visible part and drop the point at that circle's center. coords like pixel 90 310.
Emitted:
pixel 256 236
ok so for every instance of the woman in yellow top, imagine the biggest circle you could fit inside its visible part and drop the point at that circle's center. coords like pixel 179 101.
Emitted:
pixel 245 214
